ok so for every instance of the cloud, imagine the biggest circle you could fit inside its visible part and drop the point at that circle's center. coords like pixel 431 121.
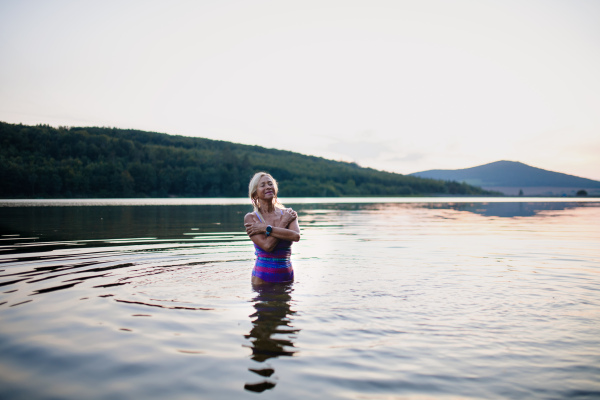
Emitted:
pixel 408 158
pixel 359 150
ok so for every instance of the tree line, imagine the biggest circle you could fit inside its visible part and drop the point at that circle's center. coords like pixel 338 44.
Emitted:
pixel 73 162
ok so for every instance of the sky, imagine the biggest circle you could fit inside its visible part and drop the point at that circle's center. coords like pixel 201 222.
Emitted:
pixel 401 86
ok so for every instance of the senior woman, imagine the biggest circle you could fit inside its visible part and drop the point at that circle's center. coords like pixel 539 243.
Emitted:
pixel 272 228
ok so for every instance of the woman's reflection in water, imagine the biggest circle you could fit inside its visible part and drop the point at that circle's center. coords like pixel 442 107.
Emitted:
pixel 272 334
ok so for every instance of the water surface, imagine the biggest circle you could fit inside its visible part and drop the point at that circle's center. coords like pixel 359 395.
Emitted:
pixel 438 298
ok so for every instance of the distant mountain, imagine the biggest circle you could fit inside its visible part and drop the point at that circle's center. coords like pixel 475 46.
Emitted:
pixel 511 177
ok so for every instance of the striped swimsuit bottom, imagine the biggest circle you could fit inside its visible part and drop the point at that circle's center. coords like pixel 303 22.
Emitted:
pixel 274 266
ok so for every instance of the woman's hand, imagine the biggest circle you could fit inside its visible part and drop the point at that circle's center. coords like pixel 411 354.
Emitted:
pixel 288 216
pixel 254 228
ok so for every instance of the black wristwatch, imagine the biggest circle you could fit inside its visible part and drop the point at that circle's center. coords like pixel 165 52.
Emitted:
pixel 269 230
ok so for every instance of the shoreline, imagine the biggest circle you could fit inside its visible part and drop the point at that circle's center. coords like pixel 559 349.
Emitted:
pixel 180 201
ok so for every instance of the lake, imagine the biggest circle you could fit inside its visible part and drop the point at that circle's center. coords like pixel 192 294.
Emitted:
pixel 405 298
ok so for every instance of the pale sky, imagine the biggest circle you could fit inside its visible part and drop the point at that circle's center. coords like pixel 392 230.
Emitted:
pixel 402 86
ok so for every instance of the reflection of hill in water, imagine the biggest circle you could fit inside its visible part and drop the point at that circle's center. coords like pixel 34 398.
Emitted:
pixel 510 210
pixel 74 223
pixel 103 222
pixel 491 209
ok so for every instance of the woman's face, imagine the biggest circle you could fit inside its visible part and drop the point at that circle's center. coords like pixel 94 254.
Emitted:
pixel 266 189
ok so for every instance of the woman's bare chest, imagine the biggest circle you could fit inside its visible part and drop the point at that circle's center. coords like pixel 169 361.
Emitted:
pixel 272 218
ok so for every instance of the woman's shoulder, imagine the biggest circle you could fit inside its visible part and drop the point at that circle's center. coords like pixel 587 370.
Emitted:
pixel 250 215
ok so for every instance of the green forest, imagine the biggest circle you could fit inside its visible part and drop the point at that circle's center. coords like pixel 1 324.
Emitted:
pixel 70 162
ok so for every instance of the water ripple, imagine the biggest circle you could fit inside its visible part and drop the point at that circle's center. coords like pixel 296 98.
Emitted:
pixel 467 300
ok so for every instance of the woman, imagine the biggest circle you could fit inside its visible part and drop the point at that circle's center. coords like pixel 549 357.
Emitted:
pixel 272 228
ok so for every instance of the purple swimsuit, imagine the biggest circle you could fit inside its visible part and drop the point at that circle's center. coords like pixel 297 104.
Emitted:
pixel 274 266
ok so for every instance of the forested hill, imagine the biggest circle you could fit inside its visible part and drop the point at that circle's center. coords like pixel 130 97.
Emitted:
pixel 42 161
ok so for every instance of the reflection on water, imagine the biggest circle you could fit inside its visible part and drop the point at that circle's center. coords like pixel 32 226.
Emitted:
pixel 108 222
pixel 439 299
pixel 272 334
pixel 509 210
